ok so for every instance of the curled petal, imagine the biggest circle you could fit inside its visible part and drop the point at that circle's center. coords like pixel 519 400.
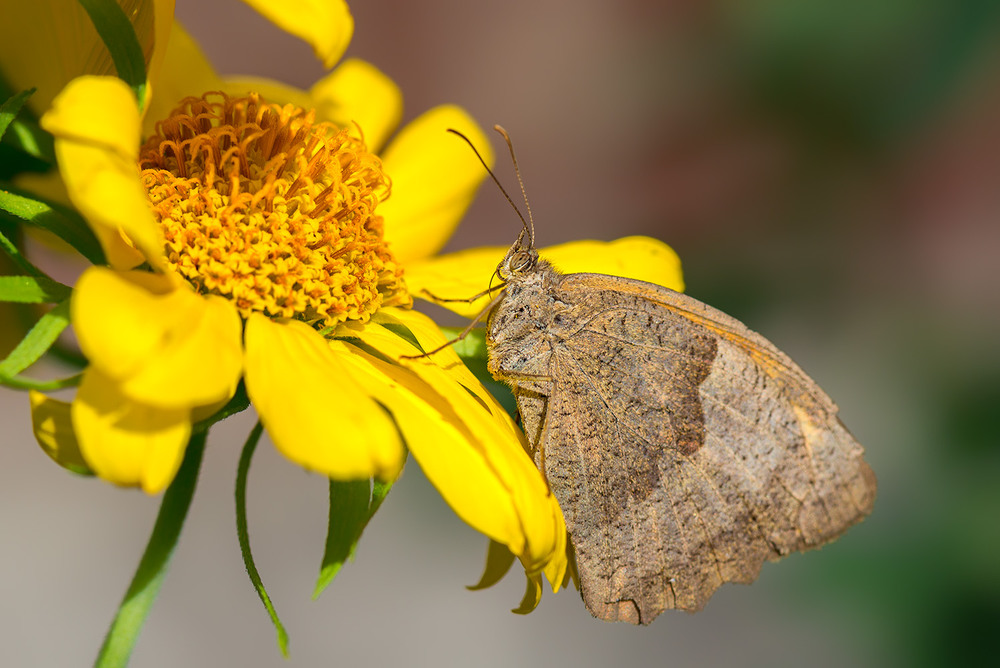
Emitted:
pixel 467 273
pixel 358 92
pixel 318 411
pixel 162 343
pixel 96 125
pixel 435 176
pixel 326 25
pixel 126 442
pixel 474 455
pixel 53 427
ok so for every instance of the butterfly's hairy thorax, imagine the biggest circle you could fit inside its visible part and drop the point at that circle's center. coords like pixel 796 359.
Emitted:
pixel 525 324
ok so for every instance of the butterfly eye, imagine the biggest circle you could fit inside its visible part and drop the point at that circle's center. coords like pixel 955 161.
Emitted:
pixel 521 261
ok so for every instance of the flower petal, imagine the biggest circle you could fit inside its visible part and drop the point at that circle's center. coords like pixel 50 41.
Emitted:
pixel 326 25
pixel 468 447
pixel 435 176
pixel 126 442
pixel 96 124
pixel 45 46
pixel 317 412
pixel 181 70
pixel 467 273
pixel 358 92
pixel 165 345
pixel 53 427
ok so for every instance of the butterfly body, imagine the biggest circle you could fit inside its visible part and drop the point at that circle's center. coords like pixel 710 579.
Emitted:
pixel 684 449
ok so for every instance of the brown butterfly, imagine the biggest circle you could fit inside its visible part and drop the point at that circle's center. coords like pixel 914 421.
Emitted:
pixel 684 449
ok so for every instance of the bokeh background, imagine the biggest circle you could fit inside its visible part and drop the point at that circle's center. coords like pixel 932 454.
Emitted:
pixel 828 172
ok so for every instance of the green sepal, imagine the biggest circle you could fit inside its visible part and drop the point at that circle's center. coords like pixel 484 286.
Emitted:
pixel 61 221
pixel 243 535
pixel 148 578
pixel 119 36
pixel 353 503
pixel 32 290
pixel 36 342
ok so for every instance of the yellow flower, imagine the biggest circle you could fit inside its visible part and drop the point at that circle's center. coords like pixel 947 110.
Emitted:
pixel 236 230
pixel 251 237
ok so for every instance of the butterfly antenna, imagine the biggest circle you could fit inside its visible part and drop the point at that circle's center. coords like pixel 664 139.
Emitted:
pixel 530 225
pixel 489 171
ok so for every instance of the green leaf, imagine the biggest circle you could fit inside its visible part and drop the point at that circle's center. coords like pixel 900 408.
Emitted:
pixel 36 343
pixel 148 578
pixel 11 107
pixel 242 470
pixel 119 36
pixel 32 290
pixel 348 515
pixel 21 383
pixel 65 223
pixel 15 254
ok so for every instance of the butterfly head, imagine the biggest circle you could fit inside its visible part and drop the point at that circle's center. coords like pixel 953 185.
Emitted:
pixel 521 259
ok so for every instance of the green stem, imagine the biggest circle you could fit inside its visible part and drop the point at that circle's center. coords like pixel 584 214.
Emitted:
pixel 138 601
pixel 244 535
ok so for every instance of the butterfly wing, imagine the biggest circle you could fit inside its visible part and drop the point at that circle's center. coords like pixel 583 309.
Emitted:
pixel 684 449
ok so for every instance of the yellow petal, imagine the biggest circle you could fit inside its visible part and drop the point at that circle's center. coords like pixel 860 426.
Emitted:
pixel 53 427
pixel 467 273
pixel 532 595
pixel 164 345
pixel 475 456
pixel 96 124
pixel 358 92
pixel 317 413
pixel 181 71
pixel 326 25
pixel 163 23
pixel 435 176
pixel 272 91
pixel 125 442
pixel 46 44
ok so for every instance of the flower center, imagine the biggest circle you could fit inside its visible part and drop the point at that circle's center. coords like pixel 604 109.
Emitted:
pixel 263 205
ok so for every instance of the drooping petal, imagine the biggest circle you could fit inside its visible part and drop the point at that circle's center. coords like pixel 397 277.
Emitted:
pixel 475 455
pixel 96 124
pixel 316 412
pixel 435 176
pixel 165 345
pixel 53 427
pixel 467 273
pixel 326 25
pixel 126 442
pixel 358 92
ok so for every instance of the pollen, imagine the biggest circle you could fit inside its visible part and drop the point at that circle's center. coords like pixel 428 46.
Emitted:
pixel 265 206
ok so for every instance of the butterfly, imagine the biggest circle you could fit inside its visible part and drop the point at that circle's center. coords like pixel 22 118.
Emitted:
pixel 684 449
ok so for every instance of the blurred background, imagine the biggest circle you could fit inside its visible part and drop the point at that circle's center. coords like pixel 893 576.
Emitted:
pixel 828 173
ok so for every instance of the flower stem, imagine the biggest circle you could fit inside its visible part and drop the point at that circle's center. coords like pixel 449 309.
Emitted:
pixel 138 601
pixel 242 471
